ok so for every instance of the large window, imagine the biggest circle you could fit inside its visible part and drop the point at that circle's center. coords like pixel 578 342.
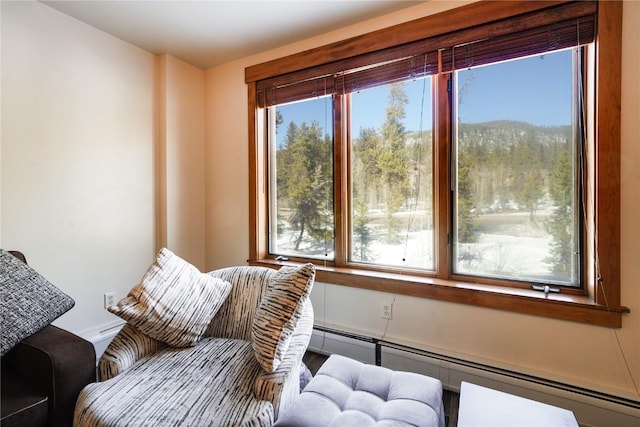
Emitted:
pixel 465 165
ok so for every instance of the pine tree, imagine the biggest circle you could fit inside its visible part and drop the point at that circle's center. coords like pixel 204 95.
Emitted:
pixel 527 186
pixel 466 212
pixel 392 160
pixel 365 167
pixel 305 182
pixel 560 223
pixel 362 236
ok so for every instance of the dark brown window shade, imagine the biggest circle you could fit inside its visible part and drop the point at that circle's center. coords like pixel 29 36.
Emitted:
pixel 560 35
pixel 567 25
pixel 412 67
pixel 296 91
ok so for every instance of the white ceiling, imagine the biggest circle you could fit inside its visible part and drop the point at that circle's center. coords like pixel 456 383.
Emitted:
pixel 207 33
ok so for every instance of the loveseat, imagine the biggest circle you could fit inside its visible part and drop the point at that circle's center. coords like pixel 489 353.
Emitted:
pixel 43 367
pixel 225 377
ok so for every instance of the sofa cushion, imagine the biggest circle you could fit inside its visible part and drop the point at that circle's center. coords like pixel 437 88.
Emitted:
pixel 29 301
pixel 23 403
pixel 279 312
pixel 209 384
pixel 175 302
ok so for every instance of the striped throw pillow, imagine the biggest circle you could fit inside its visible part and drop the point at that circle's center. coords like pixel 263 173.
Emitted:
pixel 279 312
pixel 175 302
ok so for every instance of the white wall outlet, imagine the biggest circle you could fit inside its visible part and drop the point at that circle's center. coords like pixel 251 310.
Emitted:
pixel 109 299
pixel 387 308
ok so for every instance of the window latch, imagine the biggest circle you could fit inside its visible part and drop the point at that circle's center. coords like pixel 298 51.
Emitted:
pixel 545 288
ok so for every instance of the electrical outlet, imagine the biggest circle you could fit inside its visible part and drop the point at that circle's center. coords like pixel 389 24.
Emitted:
pixel 109 299
pixel 387 308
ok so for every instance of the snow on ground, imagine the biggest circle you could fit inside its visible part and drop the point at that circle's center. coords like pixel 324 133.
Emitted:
pixel 519 248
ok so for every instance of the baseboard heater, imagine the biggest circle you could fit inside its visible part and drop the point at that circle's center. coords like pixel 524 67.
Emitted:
pixel 102 335
pixel 451 370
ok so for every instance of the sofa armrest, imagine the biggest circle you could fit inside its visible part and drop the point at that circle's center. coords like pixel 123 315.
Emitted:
pixel 58 362
pixel 126 348
pixel 282 386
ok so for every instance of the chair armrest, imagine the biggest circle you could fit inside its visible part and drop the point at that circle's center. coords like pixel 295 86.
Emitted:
pixel 60 363
pixel 126 348
pixel 282 386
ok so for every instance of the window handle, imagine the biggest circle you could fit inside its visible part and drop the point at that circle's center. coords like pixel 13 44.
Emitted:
pixel 545 288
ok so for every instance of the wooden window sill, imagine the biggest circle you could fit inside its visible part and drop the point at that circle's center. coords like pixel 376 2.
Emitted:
pixel 577 308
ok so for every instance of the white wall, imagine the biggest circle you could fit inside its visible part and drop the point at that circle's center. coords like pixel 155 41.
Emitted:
pixel 77 156
pixel 598 358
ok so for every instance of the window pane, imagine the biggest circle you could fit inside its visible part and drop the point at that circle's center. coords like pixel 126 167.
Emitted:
pixel 516 214
pixel 301 217
pixel 391 175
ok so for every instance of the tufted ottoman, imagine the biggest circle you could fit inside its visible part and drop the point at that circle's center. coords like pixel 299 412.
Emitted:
pixel 346 393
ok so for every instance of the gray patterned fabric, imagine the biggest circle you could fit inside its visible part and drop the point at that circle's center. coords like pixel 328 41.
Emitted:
pixel 126 348
pixel 186 386
pixel 235 318
pixel 175 302
pixel 29 301
pixel 199 377
pixel 346 392
pixel 282 386
pixel 279 312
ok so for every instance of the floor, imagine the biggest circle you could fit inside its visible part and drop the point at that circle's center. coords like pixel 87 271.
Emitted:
pixel 450 399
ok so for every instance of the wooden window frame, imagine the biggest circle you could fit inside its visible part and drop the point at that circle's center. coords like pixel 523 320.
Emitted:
pixel 599 304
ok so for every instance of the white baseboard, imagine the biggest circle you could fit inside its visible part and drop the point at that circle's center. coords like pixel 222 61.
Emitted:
pixel 591 408
pixel 101 335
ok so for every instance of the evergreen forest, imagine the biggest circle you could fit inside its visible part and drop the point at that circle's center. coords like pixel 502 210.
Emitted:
pixel 503 169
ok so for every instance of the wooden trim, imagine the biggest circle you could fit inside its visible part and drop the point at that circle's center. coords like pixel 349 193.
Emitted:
pixel 442 176
pixel 340 200
pixel 608 134
pixel 557 306
pixel 255 200
pixel 160 152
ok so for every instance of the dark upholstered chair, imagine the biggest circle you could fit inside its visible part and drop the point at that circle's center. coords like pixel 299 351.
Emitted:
pixel 43 375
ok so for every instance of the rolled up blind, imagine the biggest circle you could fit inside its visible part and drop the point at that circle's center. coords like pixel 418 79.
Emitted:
pixel 561 26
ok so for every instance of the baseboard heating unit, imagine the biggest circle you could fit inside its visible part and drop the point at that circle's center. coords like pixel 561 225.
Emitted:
pixel 102 335
pixel 592 408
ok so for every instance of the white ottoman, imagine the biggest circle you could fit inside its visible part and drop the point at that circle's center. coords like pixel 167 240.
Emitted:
pixel 347 393
pixel 481 406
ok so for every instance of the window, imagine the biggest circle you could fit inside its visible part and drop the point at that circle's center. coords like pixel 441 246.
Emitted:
pixel 517 210
pixel 391 176
pixel 301 182
pixel 467 165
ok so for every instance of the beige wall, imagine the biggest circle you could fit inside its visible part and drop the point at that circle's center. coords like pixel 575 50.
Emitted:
pixel 180 159
pixel 227 196
pixel 85 117
pixel 595 357
pixel 77 166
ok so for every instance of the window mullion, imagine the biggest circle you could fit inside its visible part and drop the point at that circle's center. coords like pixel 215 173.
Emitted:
pixel 442 174
pixel 341 186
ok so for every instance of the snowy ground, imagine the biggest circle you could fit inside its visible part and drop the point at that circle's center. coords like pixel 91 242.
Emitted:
pixel 512 245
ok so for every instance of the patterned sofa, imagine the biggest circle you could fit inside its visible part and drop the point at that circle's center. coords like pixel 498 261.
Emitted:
pixel 219 381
